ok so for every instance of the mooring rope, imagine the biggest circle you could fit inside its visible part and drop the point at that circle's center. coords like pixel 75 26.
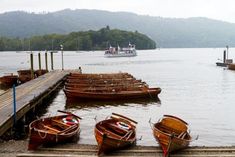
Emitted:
pixel 42 137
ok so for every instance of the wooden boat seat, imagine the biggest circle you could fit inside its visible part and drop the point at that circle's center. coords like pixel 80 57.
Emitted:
pixel 60 124
pixel 110 133
pixel 182 135
pixel 51 129
pixel 117 129
pixel 68 129
pixel 169 130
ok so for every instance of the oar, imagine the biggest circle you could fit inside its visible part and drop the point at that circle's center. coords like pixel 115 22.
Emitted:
pixel 151 124
pixel 196 138
pixel 69 113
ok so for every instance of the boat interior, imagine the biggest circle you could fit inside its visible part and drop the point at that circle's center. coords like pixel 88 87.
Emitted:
pixel 55 126
pixel 173 127
pixel 112 129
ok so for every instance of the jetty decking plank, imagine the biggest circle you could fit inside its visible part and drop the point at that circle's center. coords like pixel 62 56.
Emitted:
pixel 25 94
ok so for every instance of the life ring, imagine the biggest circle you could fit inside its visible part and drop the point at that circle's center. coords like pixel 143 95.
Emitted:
pixel 70 120
pixel 123 125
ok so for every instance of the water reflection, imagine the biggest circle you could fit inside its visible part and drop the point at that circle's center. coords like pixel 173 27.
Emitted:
pixel 83 104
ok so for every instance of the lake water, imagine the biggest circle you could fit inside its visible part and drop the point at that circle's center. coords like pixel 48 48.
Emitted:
pixel 193 88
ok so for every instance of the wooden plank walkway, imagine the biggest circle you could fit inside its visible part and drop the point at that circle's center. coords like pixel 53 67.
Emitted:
pixel 26 96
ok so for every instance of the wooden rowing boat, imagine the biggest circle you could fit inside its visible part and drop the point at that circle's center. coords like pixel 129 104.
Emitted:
pixel 24 75
pixel 109 89
pixel 100 75
pixel 53 130
pixel 97 78
pixel 116 132
pixel 9 80
pixel 172 134
pixel 40 72
pixel 113 94
pixel 231 66
pixel 80 85
pixel 107 81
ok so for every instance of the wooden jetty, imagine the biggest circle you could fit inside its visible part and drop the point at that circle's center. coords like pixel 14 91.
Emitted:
pixel 135 151
pixel 19 148
pixel 28 96
pixel 150 151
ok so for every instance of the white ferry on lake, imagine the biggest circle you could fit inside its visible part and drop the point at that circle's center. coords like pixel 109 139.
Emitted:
pixel 129 51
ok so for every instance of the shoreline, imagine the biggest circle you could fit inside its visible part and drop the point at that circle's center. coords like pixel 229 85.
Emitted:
pixel 19 148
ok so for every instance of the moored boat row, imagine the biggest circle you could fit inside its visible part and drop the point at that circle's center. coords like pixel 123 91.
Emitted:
pixel 9 80
pixel 113 133
pixel 23 76
pixel 114 86
pixel 231 66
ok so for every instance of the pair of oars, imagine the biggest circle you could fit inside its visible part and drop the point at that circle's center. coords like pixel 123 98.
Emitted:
pixel 69 113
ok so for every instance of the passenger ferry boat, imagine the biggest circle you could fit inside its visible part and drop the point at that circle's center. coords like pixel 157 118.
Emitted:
pixel 129 51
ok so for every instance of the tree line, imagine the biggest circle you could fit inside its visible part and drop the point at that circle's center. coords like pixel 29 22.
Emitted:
pixel 83 40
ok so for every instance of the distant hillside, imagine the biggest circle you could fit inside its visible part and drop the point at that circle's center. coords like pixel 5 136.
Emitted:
pixel 167 32
pixel 83 40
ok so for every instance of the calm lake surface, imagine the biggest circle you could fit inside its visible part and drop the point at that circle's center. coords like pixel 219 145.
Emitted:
pixel 193 88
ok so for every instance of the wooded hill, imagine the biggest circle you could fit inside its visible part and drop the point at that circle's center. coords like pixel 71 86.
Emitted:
pixel 166 32
pixel 84 40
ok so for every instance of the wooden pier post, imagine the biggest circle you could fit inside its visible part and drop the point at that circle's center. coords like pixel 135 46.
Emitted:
pixel 39 61
pixel 46 61
pixel 52 68
pixel 14 103
pixel 227 51
pixel 31 61
pixel 224 57
pixel 62 56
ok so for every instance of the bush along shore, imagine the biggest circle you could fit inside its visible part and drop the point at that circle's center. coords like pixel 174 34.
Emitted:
pixel 85 40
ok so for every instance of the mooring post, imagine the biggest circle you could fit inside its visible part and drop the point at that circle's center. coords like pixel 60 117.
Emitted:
pixel 224 57
pixel 62 56
pixel 227 51
pixel 31 61
pixel 46 61
pixel 14 103
pixel 39 61
pixel 52 68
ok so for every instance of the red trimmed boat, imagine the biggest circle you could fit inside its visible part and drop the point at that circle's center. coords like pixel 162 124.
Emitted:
pixel 231 66
pixel 172 134
pixel 40 72
pixel 116 132
pixel 100 75
pixel 24 75
pixel 53 130
pixel 9 80
pixel 112 93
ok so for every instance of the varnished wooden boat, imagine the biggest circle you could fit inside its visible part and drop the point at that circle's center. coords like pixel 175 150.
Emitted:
pixel 114 94
pixel 100 75
pixel 109 89
pixel 116 132
pixel 24 75
pixel 53 130
pixel 9 80
pixel 107 81
pixel 40 72
pixel 172 134
pixel 79 85
pixel 231 66
pixel 97 78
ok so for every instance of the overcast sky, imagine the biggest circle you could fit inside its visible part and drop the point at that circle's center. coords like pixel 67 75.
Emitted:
pixel 216 9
